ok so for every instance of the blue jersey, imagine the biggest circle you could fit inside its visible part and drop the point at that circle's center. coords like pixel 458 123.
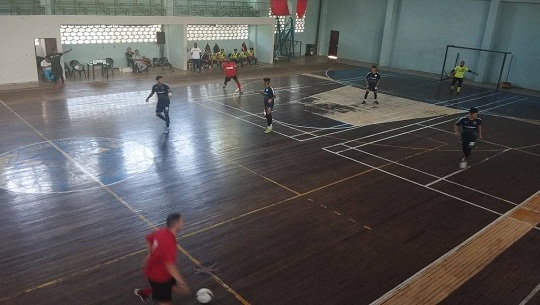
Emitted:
pixel 162 92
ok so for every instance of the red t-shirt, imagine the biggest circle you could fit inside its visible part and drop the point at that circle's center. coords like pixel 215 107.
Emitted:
pixel 163 244
pixel 229 68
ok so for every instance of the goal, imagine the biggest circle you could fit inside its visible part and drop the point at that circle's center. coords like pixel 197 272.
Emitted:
pixel 489 64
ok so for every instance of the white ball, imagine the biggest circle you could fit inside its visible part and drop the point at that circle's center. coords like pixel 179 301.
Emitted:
pixel 463 165
pixel 170 94
pixel 205 295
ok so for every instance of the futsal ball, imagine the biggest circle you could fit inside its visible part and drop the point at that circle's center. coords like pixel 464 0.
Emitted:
pixel 170 94
pixel 205 295
pixel 463 165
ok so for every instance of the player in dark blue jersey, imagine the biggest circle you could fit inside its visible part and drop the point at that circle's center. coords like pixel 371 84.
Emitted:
pixel 469 128
pixel 269 96
pixel 164 94
pixel 372 82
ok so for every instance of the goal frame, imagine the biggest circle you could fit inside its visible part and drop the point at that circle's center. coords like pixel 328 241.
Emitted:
pixel 476 49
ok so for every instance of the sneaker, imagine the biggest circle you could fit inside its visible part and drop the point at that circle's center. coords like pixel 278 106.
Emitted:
pixel 376 102
pixel 268 129
pixel 166 130
pixel 144 298
pixel 464 159
pixel 457 92
pixel 364 101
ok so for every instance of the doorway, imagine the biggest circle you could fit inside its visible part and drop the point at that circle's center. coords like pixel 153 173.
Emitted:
pixel 333 44
pixel 43 47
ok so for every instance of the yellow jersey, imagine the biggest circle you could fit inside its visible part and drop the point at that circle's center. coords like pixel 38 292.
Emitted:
pixel 234 55
pixel 459 72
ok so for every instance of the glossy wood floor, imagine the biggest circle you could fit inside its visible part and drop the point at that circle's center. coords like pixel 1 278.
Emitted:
pixel 327 209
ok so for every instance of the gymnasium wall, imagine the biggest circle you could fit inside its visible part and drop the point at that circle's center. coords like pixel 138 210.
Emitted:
pixel 518 31
pixel 421 29
pixel 360 25
pixel 18 33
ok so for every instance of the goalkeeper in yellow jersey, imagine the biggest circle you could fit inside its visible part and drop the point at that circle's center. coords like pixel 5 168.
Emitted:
pixel 459 73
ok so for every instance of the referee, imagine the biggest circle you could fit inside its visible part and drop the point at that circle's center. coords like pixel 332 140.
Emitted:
pixel 471 129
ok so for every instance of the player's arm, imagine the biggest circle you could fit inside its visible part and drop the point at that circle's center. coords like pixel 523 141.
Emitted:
pixel 480 132
pixel 470 71
pixel 180 282
pixel 151 93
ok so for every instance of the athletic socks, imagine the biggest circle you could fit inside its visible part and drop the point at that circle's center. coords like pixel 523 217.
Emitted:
pixel 269 120
pixel 365 95
pixel 167 120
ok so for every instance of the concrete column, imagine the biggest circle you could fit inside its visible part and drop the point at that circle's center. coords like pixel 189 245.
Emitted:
pixel 487 40
pixel 391 19
pixel 169 7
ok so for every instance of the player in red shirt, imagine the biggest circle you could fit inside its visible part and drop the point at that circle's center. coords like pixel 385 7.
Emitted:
pixel 230 72
pixel 160 267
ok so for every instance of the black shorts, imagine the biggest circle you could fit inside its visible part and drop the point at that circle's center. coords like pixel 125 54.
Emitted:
pixel 371 87
pixel 458 80
pixel 268 104
pixel 162 107
pixel 228 78
pixel 162 292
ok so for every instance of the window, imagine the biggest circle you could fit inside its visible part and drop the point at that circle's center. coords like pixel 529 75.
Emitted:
pixel 87 34
pixel 299 23
pixel 217 32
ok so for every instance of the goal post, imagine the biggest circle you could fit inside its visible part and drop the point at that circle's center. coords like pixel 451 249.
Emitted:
pixel 489 64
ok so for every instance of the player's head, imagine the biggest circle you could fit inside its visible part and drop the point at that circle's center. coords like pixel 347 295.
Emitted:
pixel 195 44
pixel 266 81
pixel 461 63
pixel 473 113
pixel 251 49
pixel 236 50
pixel 175 221
pixel 137 51
pixel 373 69
pixel 159 79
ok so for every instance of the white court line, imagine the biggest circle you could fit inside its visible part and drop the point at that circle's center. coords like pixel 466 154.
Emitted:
pixel 445 177
pixel 386 131
pixel 492 143
pixel 414 182
pixel 387 295
pixel 459 171
pixel 122 201
pixel 390 137
pixel 530 296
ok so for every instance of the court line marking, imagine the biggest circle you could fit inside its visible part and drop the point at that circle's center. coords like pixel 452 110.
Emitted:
pixel 123 202
pixel 530 296
pixel 492 143
pixel 369 170
pixel 447 176
pixel 414 182
pixel 439 260
pixel 72 275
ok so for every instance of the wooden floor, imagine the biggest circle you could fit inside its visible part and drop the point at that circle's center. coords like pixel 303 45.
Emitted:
pixel 330 208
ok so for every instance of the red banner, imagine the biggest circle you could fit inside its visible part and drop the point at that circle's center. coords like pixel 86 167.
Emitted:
pixel 301 8
pixel 279 8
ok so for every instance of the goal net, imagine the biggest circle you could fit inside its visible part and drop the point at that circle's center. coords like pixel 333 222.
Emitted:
pixel 489 64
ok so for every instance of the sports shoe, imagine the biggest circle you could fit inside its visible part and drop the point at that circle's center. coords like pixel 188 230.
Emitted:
pixel 364 101
pixel 166 130
pixel 457 92
pixel 464 159
pixel 376 102
pixel 144 298
pixel 268 129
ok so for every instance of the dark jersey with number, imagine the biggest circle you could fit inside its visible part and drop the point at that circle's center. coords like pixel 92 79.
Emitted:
pixel 268 94
pixel 373 78
pixel 162 92
pixel 469 128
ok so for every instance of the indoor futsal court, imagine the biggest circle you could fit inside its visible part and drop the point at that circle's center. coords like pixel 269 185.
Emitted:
pixel 343 203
